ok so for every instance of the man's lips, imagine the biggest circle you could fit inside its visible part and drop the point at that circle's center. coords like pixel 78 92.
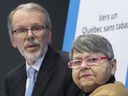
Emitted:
pixel 32 46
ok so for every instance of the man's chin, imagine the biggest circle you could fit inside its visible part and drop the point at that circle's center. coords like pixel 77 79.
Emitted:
pixel 32 56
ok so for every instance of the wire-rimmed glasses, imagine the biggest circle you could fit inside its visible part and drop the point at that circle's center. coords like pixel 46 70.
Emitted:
pixel 88 61
pixel 36 31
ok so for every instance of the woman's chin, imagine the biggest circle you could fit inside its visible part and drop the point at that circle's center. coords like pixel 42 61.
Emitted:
pixel 88 87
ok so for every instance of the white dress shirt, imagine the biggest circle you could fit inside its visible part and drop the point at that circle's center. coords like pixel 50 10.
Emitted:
pixel 36 66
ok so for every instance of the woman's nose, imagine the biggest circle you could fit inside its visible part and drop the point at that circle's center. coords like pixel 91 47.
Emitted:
pixel 84 65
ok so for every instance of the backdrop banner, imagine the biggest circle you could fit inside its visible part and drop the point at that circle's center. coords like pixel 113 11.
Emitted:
pixel 108 18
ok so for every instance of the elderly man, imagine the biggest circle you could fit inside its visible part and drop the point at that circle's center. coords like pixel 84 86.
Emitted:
pixel 45 72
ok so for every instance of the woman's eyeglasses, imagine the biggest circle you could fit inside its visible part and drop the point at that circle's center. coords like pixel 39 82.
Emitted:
pixel 88 61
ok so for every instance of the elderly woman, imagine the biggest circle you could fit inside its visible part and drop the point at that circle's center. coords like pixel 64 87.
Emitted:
pixel 94 66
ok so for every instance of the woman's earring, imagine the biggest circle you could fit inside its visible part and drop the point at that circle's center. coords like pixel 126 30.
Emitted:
pixel 112 73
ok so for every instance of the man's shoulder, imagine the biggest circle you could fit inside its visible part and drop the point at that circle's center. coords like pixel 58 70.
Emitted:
pixel 16 70
pixel 62 52
pixel 59 53
pixel 63 55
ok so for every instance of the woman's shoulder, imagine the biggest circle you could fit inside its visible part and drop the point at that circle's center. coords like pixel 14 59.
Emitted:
pixel 112 89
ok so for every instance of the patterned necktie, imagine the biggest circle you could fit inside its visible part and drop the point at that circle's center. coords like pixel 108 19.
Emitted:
pixel 31 75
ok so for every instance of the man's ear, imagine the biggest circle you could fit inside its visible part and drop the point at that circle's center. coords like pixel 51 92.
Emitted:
pixel 113 64
pixel 13 41
pixel 49 35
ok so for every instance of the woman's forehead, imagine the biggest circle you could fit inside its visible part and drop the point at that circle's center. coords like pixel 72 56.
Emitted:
pixel 87 54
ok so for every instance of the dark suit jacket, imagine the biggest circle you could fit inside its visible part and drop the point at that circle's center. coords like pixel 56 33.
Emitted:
pixel 54 78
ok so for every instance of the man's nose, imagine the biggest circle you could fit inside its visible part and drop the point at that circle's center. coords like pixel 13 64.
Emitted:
pixel 30 34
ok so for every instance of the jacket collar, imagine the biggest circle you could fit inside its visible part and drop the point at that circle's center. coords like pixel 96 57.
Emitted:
pixel 111 80
pixel 18 86
pixel 44 73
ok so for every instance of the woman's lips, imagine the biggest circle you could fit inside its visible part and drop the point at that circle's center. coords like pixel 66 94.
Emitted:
pixel 85 76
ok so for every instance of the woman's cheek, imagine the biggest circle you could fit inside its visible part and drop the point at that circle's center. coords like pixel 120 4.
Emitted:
pixel 75 76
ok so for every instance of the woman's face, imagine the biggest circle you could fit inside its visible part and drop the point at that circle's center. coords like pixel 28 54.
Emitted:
pixel 88 78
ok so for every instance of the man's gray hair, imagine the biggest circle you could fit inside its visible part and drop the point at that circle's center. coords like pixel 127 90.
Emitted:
pixel 29 7
pixel 92 43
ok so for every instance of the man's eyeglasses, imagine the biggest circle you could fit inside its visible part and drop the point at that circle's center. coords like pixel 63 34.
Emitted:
pixel 88 61
pixel 36 31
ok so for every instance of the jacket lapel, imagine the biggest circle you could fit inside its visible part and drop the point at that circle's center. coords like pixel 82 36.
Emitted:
pixel 41 83
pixel 44 73
pixel 18 86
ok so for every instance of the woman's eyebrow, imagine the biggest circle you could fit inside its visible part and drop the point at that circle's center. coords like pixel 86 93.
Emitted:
pixel 79 58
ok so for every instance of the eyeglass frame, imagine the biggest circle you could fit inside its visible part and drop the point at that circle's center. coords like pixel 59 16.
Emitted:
pixel 99 58
pixel 29 29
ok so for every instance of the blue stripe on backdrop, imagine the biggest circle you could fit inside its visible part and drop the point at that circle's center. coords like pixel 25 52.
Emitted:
pixel 71 24
pixel 126 82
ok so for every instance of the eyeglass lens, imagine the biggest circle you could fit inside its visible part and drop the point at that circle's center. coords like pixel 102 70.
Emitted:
pixel 89 61
pixel 36 31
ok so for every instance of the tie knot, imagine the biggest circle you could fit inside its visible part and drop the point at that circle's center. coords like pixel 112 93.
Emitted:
pixel 31 72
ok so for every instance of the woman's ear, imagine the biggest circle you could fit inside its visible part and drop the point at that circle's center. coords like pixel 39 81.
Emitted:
pixel 13 41
pixel 113 64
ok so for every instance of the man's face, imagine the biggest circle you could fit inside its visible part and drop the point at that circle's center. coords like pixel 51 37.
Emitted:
pixel 32 47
